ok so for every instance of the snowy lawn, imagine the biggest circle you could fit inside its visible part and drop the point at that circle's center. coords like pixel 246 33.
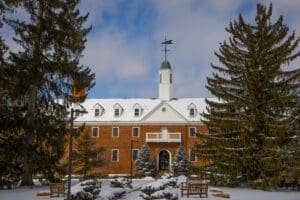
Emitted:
pixel 29 193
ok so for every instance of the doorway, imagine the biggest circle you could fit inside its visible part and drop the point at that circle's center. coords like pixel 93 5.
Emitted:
pixel 164 160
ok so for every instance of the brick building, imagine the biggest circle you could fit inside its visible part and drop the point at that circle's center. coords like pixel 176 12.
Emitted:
pixel 122 126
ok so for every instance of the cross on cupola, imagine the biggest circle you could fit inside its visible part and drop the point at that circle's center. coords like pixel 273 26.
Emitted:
pixel 166 42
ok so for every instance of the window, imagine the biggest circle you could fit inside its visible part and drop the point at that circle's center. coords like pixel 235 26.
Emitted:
pixel 115 155
pixel 163 109
pixel 192 155
pixel 95 132
pixel 192 109
pixel 75 132
pixel 170 78
pixel 95 156
pixel 160 78
pixel 135 153
pixel 97 112
pixel 117 112
pixel 192 131
pixel 115 132
pixel 135 132
pixel 192 112
pixel 136 112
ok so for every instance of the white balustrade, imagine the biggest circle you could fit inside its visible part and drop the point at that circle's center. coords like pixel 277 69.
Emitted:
pixel 163 137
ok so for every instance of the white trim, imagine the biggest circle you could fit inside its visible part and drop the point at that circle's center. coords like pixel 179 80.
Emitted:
pixel 132 153
pixel 112 132
pixel 190 156
pixel 190 131
pixel 92 130
pixel 170 159
pixel 133 132
pixel 159 106
pixel 118 155
pixel 112 123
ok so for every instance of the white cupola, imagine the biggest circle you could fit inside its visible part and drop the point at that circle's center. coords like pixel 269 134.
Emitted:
pixel 165 81
pixel 165 76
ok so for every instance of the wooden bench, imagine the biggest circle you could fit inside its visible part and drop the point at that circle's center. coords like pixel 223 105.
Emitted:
pixel 194 187
pixel 56 189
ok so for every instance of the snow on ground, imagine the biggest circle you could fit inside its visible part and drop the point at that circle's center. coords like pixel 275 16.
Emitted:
pixel 29 193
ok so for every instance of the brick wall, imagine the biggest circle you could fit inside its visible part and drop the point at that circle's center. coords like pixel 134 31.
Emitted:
pixel 123 143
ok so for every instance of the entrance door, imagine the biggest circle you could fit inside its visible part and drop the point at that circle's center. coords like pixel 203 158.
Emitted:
pixel 164 160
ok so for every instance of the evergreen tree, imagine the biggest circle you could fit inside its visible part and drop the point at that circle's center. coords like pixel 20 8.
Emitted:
pixel 143 164
pixel 9 159
pixel 180 165
pixel 87 155
pixel 250 123
pixel 43 71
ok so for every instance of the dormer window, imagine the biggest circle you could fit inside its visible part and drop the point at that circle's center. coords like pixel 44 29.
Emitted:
pixel 192 110
pixel 118 110
pixel 98 110
pixel 137 110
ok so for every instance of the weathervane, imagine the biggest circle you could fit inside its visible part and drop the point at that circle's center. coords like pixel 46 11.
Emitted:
pixel 165 43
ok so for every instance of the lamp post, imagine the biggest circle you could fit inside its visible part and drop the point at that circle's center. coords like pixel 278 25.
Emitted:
pixel 71 148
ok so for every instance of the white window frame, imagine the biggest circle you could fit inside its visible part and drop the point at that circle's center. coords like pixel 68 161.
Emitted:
pixel 190 151
pixel 118 155
pixel 93 132
pixel 194 112
pixel 117 114
pixel 190 132
pixel 132 132
pixel 112 132
pixel 138 151
pixel 138 112
pixel 97 115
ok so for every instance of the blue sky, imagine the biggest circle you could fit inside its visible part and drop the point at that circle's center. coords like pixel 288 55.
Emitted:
pixel 124 50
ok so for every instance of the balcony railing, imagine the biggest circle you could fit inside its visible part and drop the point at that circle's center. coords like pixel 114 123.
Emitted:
pixel 163 137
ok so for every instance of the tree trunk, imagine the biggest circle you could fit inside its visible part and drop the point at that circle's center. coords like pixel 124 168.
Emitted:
pixel 27 172
pixel 28 168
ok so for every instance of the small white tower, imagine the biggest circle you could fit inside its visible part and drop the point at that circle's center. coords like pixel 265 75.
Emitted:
pixel 165 76
pixel 165 81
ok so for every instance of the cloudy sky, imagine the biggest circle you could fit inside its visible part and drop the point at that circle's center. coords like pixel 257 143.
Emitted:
pixel 124 49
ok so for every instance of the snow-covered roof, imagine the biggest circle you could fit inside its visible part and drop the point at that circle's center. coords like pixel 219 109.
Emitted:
pixel 147 106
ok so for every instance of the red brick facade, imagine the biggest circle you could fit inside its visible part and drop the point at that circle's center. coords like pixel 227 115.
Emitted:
pixel 123 144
